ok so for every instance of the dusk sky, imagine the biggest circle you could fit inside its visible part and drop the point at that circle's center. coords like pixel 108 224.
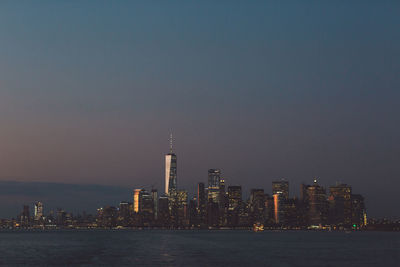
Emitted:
pixel 90 90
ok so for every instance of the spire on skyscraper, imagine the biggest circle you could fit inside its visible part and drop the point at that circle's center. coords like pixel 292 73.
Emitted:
pixel 170 143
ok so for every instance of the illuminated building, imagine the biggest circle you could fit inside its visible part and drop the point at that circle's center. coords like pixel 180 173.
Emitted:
pixel 38 211
pixel 257 205
pixel 146 208
pixel 234 205
pixel 317 204
pixel 281 187
pixel 214 179
pixel 293 214
pixel 171 183
pixel 163 211
pixel 269 210
pixel 244 213
pixel 182 198
pixel 212 214
pixel 182 201
pixel 340 211
pixel 223 203
pixel 222 184
pixel 106 217
pixel 25 216
pixel 61 217
pixel 359 215
pixel 201 203
pixel 145 202
pixel 280 193
pixel 136 200
pixel 154 195
pixel 234 197
pixel 170 171
pixel 193 213
pixel 124 210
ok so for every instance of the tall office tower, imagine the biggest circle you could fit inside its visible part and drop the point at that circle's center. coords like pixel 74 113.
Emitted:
pixel 223 203
pixel 257 199
pixel 359 214
pixel 222 184
pixel 281 187
pixel 61 217
pixel 280 193
pixel 124 210
pixel 154 195
pixel 136 200
pixel 303 192
pixel 182 203
pixel 25 216
pixel 340 205
pixel 303 205
pixel 234 204
pixel 193 213
pixel 170 171
pixel 163 211
pixel 214 180
pixel 182 198
pixel 201 203
pixel 201 195
pixel 234 197
pixel 317 204
pixel 269 209
pixel 106 217
pixel 257 205
pixel 38 210
pixel 145 202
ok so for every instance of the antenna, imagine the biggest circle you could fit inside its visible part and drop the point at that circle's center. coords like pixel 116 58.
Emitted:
pixel 170 143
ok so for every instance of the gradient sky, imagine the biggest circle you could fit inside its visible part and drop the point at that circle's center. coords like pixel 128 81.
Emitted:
pixel 89 91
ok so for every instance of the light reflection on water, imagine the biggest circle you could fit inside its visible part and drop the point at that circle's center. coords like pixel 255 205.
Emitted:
pixel 199 248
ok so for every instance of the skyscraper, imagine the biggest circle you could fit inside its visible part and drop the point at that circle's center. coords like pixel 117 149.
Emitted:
pixel 124 210
pixel 340 204
pixel 25 216
pixel 257 204
pixel 170 171
pixel 234 197
pixel 317 204
pixel 214 178
pixel 214 182
pixel 234 203
pixel 359 215
pixel 136 200
pixel 154 195
pixel 281 187
pixel 280 193
pixel 146 205
pixel 201 203
pixel 163 211
pixel 38 210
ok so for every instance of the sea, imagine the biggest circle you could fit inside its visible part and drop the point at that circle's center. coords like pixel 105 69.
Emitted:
pixel 198 248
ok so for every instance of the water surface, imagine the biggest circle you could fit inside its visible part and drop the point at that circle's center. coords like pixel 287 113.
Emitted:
pixel 199 248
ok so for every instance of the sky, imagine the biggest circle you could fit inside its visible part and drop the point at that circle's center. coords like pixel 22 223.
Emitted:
pixel 90 91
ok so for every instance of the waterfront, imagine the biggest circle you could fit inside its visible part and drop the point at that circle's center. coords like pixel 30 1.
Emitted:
pixel 199 248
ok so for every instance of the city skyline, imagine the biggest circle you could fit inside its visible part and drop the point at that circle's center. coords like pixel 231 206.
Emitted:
pixel 215 181
pixel 197 133
pixel 217 206
pixel 89 93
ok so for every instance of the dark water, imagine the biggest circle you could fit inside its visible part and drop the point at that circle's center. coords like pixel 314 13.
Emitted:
pixel 200 248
